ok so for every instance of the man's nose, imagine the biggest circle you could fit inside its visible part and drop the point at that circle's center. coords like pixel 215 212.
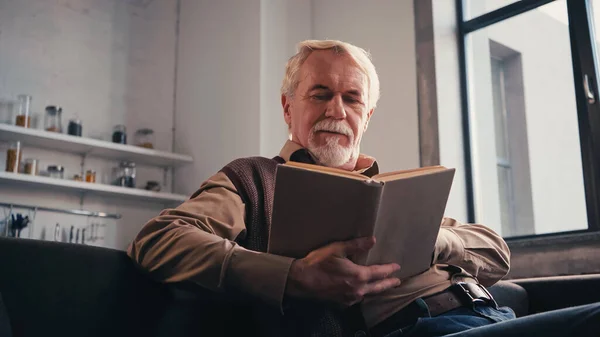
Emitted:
pixel 335 108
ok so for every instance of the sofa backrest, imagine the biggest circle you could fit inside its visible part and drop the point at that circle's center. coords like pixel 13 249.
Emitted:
pixel 59 289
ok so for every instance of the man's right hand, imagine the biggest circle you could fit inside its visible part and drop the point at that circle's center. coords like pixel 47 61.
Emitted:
pixel 327 274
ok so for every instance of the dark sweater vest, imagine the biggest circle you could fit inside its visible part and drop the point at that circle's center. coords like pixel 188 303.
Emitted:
pixel 254 179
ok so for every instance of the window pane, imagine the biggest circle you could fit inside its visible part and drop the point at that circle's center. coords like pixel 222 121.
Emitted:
pixel 475 8
pixel 527 171
pixel 595 23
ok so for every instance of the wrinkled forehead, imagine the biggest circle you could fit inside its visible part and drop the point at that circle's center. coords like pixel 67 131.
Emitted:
pixel 336 71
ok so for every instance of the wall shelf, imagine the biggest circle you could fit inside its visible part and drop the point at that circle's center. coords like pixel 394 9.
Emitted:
pixel 93 147
pixel 9 178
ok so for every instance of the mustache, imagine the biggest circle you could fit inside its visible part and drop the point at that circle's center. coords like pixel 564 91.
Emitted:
pixel 333 126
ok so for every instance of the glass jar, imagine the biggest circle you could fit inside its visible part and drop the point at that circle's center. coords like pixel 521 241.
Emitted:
pixel 56 171
pixel 53 119
pixel 124 175
pixel 75 128
pixel 24 111
pixel 119 135
pixel 144 138
pixel 13 157
pixel 31 167
pixel 7 110
pixel 90 176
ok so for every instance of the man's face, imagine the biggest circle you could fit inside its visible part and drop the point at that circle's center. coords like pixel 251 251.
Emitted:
pixel 329 110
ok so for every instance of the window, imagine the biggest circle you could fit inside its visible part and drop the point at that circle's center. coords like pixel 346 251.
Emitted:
pixel 529 104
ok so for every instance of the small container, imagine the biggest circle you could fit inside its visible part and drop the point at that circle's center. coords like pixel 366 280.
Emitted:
pixel 145 138
pixel 31 167
pixel 124 175
pixel 90 176
pixel 7 111
pixel 24 111
pixel 119 135
pixel 53 119
pixel 77 177
pixel 128 174
pixel 152 185
pixel 56 171
pixel 13 157
pixel 75 128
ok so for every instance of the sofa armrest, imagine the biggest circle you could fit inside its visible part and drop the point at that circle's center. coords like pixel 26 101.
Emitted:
pixel 511 295
pixel 549 293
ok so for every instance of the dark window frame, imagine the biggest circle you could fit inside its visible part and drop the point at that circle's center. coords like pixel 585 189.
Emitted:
pixel 584 65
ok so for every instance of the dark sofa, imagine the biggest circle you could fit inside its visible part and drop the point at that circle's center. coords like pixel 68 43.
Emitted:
pixel 58 289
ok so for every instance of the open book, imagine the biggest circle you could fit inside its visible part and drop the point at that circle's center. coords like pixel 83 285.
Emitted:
pixel 316 205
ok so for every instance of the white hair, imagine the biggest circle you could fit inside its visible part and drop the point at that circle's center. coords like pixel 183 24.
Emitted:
pixel 361 57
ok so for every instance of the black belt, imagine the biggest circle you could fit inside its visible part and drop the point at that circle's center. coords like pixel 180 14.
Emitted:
pixel 457 295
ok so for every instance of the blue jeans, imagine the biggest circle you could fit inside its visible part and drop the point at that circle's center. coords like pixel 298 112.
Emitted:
pixel 485 320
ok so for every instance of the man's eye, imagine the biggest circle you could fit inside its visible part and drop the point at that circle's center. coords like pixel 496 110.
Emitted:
pixel 321 97
pixel 351 100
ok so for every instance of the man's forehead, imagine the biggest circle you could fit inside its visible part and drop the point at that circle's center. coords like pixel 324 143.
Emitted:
pixel 326 66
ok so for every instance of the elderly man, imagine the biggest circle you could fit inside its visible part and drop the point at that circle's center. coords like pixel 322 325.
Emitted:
pixel 218 238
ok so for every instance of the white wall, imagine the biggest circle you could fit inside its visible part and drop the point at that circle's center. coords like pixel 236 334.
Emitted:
pixel 283 25
pixel 218 86
pixel 228 101
pixel 106 62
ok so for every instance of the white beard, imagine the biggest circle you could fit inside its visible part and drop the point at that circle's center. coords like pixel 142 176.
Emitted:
pixel 332 154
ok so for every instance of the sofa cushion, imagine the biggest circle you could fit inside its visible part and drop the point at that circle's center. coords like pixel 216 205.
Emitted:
pixel 511 295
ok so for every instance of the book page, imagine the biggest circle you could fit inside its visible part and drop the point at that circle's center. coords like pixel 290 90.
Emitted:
pixel 409 219
pixel 408 173
pixel 327 170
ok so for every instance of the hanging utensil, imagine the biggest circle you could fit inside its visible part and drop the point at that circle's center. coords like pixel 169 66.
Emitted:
pixel 57 233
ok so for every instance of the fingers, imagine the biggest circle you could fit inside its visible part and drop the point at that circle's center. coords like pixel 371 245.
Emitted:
pixel 356 294
pixel 355 246
pixel 379 286
pixel 378 272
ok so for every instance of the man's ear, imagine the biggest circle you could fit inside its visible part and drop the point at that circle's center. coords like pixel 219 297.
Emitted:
pixel 369 114
pixel 287 116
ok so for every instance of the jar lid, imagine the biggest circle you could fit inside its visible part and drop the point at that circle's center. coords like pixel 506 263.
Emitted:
pixel 75 121
pixel 52 109
pixel 90 171
pixel 127 164
pixel 56 168
pixel 145 131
